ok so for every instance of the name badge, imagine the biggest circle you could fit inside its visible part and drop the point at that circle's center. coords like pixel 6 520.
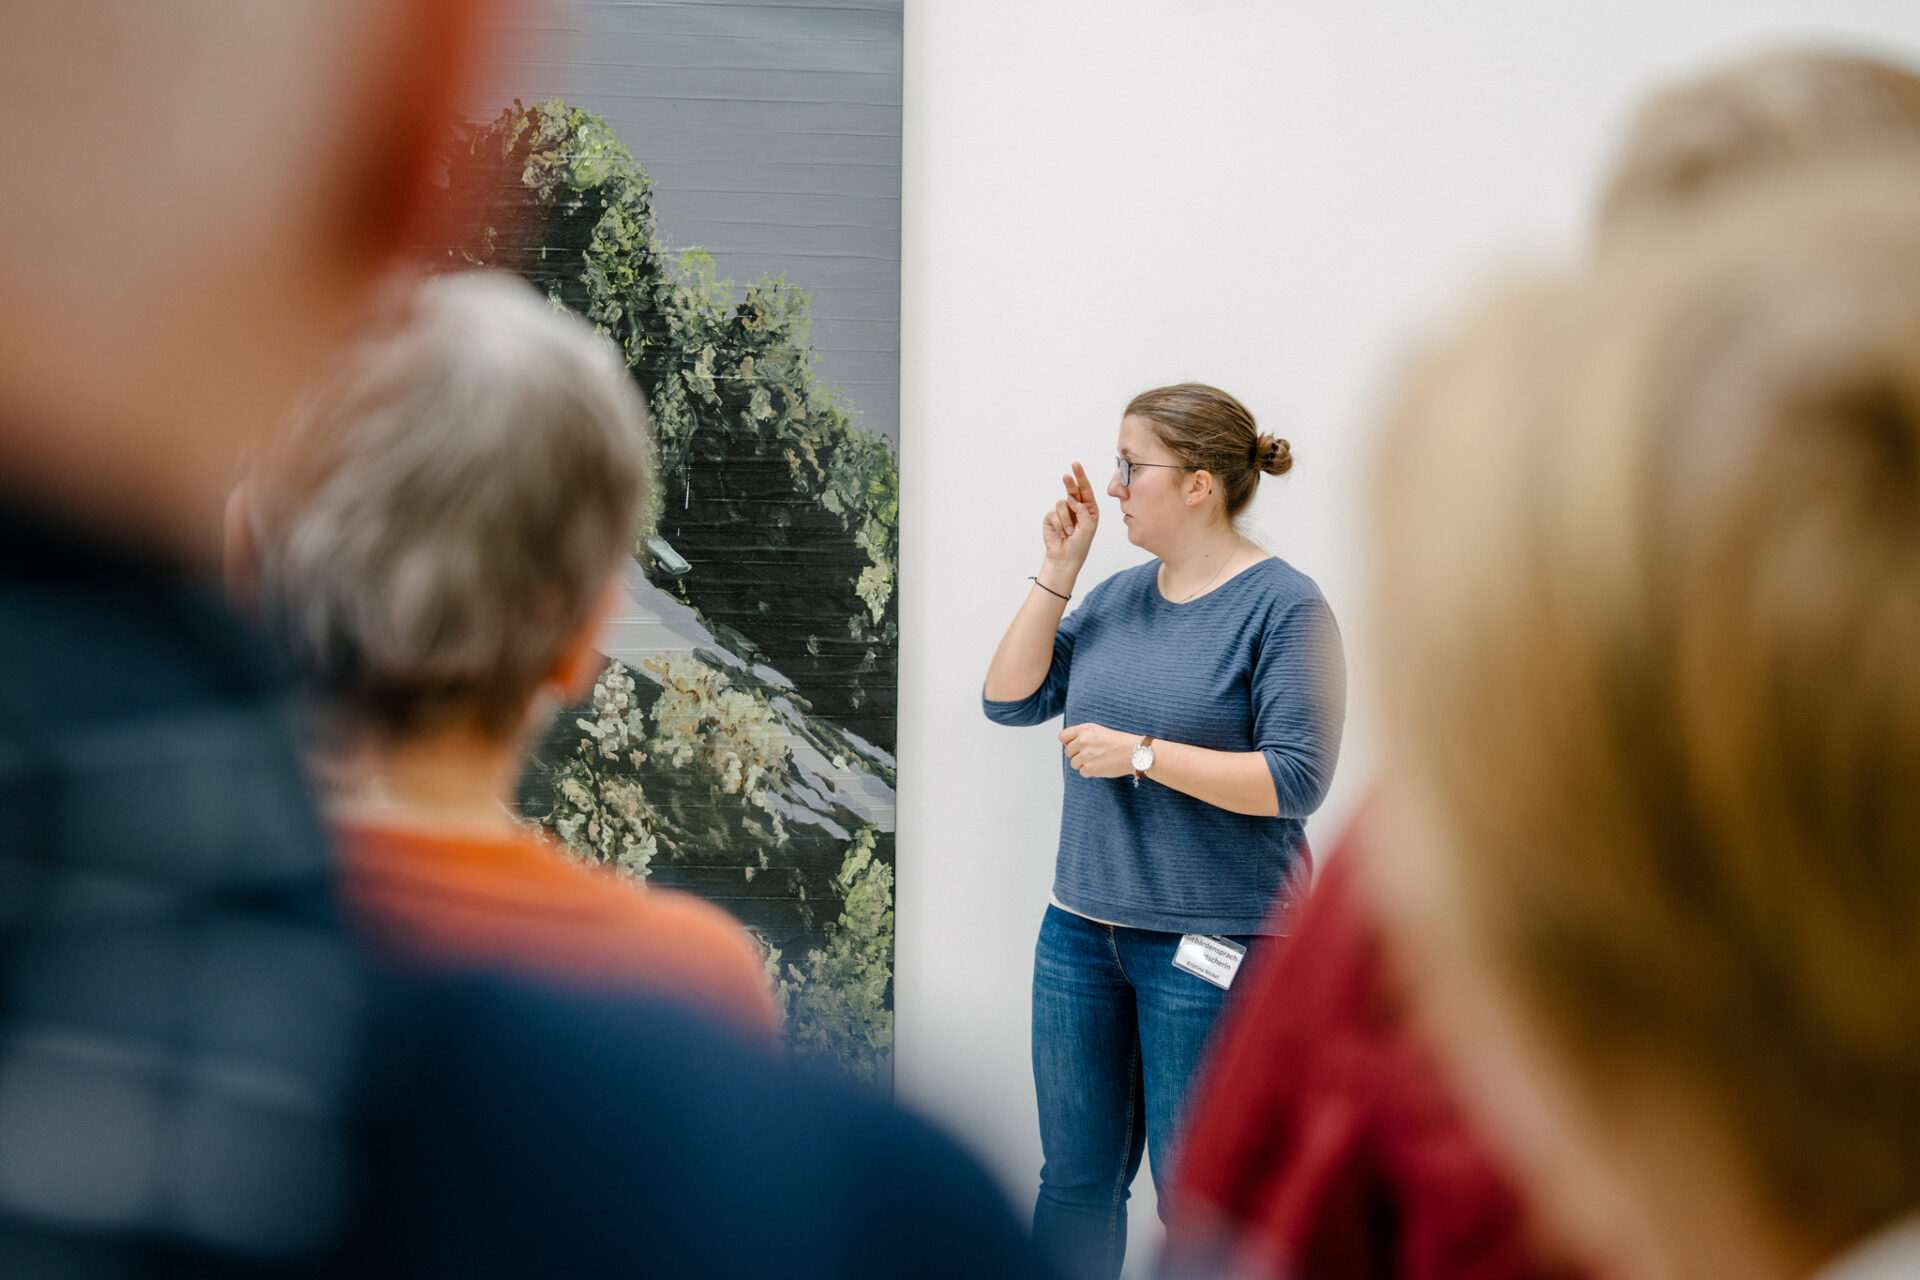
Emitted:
pixel 1209 956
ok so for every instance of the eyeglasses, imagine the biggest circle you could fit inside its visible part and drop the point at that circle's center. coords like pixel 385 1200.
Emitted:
pixel 1127 466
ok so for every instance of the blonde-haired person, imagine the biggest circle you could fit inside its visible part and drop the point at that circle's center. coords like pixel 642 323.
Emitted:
pixel 1649 597
pixel 1319 1108
pixel 1754 116
pixel 1202 694
pixel 433 540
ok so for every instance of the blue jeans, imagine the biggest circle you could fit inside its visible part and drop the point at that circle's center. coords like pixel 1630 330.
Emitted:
pixel 1117 1032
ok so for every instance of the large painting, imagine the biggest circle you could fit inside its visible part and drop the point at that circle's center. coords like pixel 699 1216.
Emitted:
pixel 716 186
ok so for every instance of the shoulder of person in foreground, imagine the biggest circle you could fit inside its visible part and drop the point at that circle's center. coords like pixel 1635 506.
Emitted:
pixel 1318 1119
pixel 527 1132
pixel 173 1099
pixel 515 903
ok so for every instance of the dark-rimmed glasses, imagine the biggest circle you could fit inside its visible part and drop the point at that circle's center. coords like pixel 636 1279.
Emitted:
pixel 1127 466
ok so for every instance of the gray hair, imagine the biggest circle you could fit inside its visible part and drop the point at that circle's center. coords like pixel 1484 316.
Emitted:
pixel 442 511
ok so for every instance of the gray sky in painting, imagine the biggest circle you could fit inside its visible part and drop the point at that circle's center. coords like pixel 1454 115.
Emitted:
pixel 771 132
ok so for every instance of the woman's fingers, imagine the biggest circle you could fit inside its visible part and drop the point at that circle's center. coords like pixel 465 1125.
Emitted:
pixel 1081 487
pixel 1071 742
pixel 1081 743
pixel 1073 516
pixel 1080 492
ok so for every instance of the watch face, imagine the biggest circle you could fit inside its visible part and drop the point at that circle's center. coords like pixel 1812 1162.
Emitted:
pixel 1143 757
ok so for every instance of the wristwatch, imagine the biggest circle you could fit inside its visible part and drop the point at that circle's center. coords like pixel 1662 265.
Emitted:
pixel 1142 759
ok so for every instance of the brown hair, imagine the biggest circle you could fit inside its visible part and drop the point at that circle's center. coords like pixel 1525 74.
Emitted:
pixel 1657 682
pixel 1210 431
pixel 1753 116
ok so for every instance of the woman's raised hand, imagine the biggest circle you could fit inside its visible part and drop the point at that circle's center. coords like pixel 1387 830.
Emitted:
pixel 1020 664
pixel 1068 529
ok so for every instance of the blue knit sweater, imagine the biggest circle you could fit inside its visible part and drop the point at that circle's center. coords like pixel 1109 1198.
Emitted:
pixel 1253 665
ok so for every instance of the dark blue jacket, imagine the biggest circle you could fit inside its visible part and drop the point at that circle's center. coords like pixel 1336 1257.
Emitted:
pixel 201 1073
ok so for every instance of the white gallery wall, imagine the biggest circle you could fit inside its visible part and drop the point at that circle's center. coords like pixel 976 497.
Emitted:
pixel 1280 198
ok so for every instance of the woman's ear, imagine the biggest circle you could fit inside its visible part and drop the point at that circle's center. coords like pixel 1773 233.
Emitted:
pixel 580 662
pixel 1199 485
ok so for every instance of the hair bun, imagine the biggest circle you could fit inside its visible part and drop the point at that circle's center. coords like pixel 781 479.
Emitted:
pixel 1271 455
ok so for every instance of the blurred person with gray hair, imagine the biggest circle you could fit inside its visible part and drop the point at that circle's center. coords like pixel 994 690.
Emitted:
pixel 201 1071
pixel 433 540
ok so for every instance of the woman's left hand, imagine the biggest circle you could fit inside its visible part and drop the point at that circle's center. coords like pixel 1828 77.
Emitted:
pixel 1096 751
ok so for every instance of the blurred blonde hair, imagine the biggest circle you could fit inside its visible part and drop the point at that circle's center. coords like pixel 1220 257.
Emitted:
pixel 1650 618
pixel 1753 116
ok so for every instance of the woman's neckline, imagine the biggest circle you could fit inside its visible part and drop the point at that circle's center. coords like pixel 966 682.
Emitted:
pixel 375 811
pixel 1215 590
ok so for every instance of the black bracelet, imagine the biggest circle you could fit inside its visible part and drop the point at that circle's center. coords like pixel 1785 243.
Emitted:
pixel 1044 587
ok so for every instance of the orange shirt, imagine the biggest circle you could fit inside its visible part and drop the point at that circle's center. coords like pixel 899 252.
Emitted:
pixel 467 898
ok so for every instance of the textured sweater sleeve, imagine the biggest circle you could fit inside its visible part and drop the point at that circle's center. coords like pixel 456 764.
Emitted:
pixel 1299 705
pixel 1046 702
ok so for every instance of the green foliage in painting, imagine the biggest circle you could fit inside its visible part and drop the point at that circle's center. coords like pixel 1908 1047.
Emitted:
pixel 711 742
pixel 700 717
pixel 694 781
pixel 838 1004
pixel 787 509
pixel 599 808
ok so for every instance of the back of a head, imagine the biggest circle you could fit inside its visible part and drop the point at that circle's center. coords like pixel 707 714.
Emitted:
pixel 188 235
pixel 1751 118
pixel 444 509
pixel 1650 605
